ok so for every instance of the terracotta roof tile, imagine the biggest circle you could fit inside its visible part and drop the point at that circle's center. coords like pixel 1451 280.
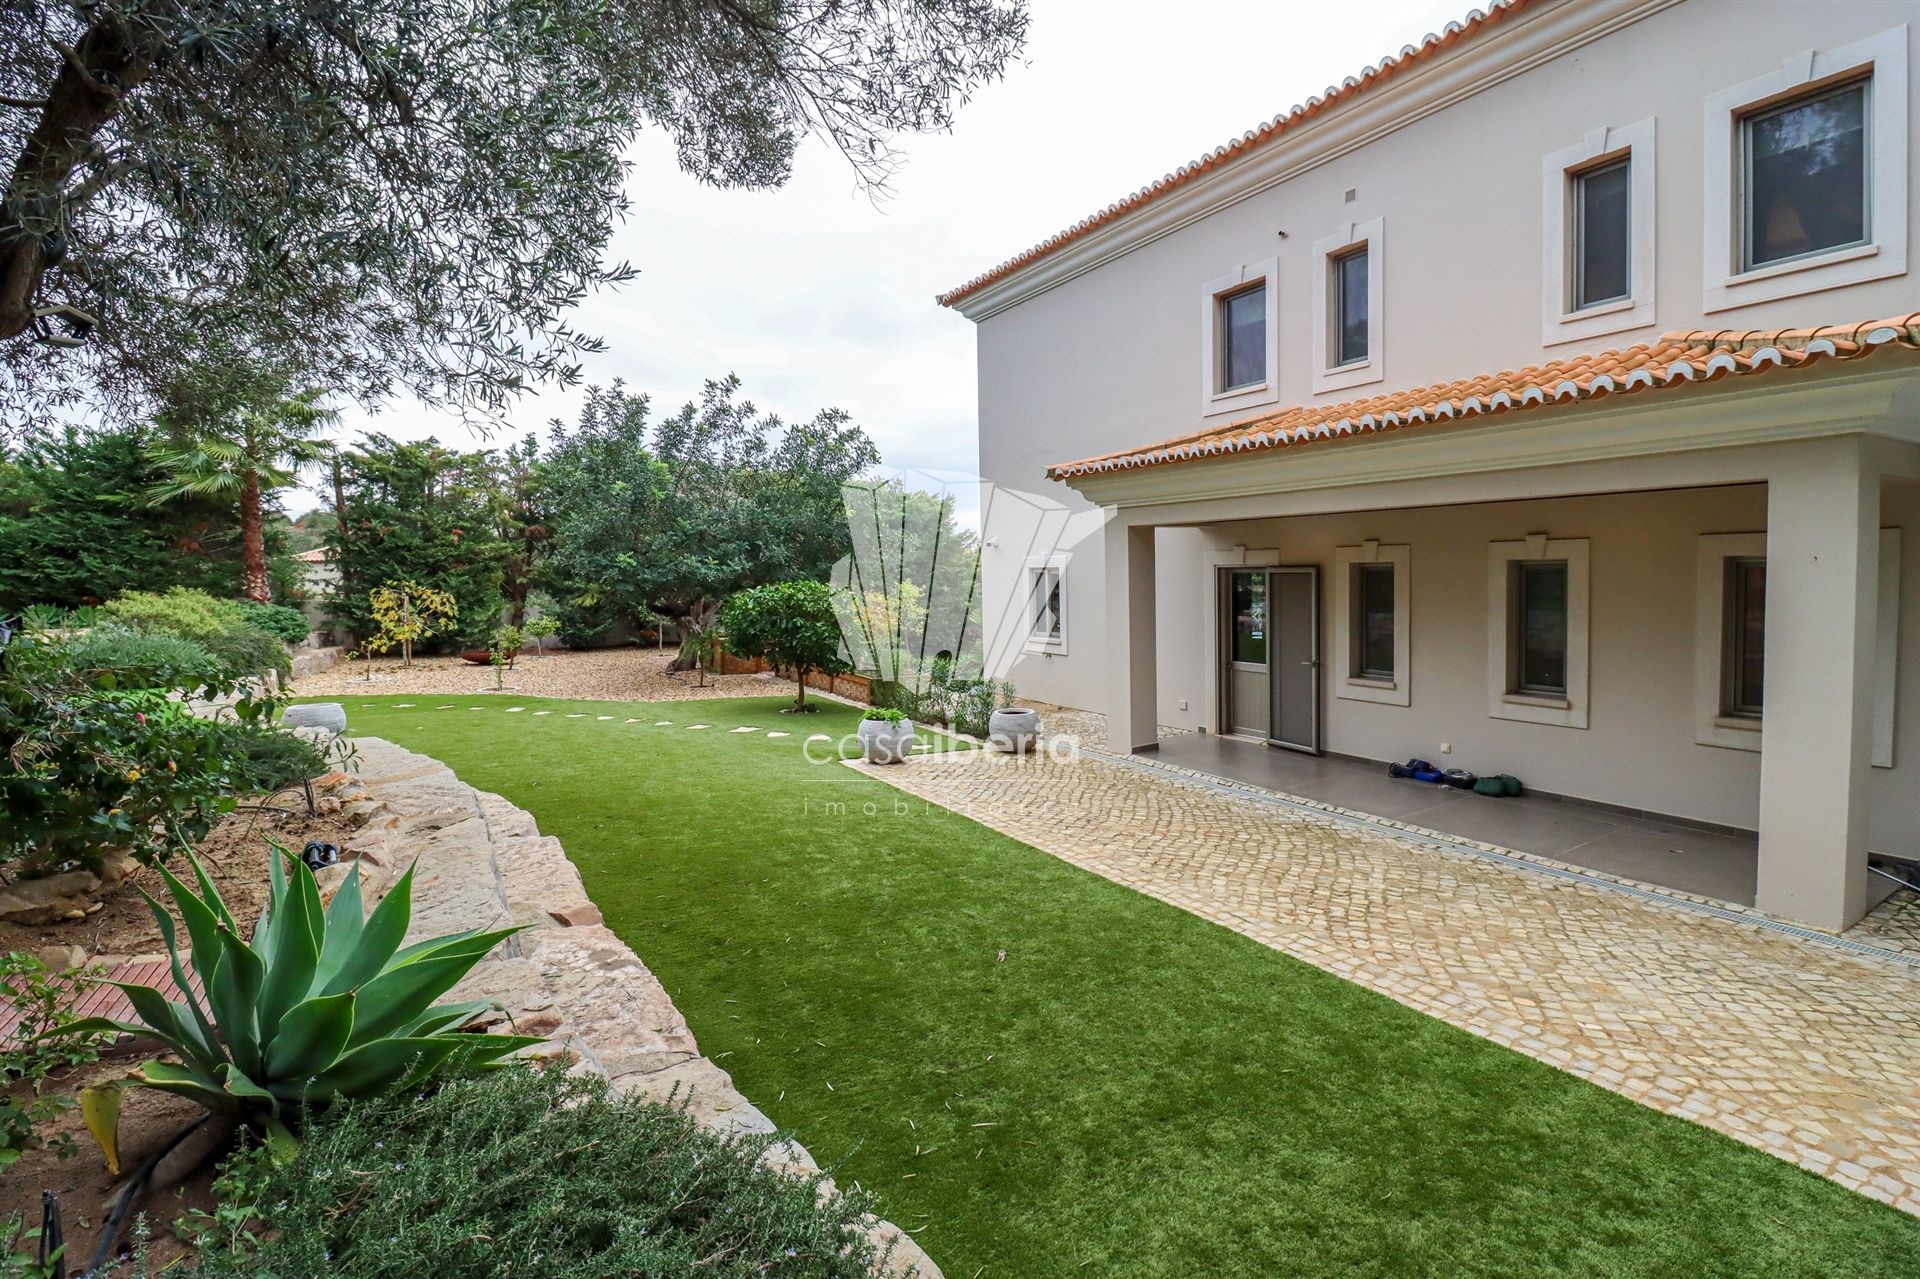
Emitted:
pixel 1452 34
pixel 1672 360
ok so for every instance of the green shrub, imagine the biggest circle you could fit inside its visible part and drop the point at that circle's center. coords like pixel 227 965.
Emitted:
pixel 887 714
pixel 290 625
pixel 791 624
pixel 322 1005
pixel 219 625
pixel 142 659
pixel 188 613
pixel 88 768
pixel 531 1172
pixel 266 760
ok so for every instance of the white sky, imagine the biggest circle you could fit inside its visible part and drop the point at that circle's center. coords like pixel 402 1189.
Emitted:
pixel 817 296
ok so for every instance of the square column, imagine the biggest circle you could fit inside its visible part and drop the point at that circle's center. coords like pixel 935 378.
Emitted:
pixel 1130 698
pixel 1823 556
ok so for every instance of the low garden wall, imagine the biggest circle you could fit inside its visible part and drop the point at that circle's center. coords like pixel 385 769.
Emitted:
pixel 855 688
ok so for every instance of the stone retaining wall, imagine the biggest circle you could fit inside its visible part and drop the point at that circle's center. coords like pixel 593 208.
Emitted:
pixel 482 863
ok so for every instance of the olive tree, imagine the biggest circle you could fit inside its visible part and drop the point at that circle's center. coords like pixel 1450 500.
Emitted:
pixel 365 195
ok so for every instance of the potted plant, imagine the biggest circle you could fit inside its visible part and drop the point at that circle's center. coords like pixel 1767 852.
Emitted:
pixel 886 736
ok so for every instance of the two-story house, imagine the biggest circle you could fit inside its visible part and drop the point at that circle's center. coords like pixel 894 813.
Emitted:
pixel 1529 402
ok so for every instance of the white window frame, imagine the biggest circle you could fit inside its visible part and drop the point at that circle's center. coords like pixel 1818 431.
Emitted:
pixel 1569 711
pixel 1559 322
pixel 1724 285
pixel 1349 683
pixel 1036 565
pixel 1213 397
pixel 1346 238
pixel 1711 727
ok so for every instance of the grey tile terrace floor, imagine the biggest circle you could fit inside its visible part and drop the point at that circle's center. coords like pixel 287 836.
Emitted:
pixel 1791 1045
pixel 1704 863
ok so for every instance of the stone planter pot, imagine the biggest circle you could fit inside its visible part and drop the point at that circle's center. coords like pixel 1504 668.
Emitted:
pixel 884 742
pixel 1013 729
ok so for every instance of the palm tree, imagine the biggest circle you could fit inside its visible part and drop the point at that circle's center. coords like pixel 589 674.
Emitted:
pixel 256 450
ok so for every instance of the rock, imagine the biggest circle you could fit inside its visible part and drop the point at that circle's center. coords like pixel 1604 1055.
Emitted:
pixel 584 915
pixel 331 716
pixel 50 898
pixel 62 958
pixel 327 806
pixel 117 867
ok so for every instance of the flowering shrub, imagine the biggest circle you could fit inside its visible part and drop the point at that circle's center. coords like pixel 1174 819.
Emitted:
pixel 87 765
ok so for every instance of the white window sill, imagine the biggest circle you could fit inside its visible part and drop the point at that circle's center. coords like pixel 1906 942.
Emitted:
pixel 1044 648
pixel 1346 375
pixel 1366 681
pixel 1543 701
pixel 1599 308
pixel 1778 269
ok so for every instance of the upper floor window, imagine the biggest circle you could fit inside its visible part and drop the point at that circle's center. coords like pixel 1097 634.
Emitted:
pixel 1804 187
pixel 1350 306
pixel 1603 233
pixel 1239 339
pixel 1347 296
pixel 1243 338
pixel 1597 230
pixel 1806 183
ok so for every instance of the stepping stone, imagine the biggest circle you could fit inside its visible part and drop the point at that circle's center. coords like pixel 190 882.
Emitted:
pixel 699 726
pixel 543 712
pixel 663 723
pixel 512 709
pixel 476 708
pixel 778 733
pixel 743 730
pixel 598 717
pixel 633 721
pixel 449 706
pixel 576 714
pixel 820 737
pixel 405 706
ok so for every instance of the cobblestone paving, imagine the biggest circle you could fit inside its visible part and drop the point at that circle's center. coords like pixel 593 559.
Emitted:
pixel 1800 1049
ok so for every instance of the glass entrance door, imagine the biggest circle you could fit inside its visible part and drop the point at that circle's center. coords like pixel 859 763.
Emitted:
pixel 1247 698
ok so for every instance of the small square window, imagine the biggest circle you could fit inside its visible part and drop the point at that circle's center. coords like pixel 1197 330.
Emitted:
pixel 1804 187
pixel 1350 307
pixel 1373 621
pixel 1602 233
pixel 1539 642
pixel 1243 338
pixel 1744 642
pixel 1046 617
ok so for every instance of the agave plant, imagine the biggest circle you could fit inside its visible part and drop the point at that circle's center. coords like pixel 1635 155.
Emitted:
pixel 321 1005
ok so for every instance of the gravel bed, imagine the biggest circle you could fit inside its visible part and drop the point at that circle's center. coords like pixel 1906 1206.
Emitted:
pixel 608 674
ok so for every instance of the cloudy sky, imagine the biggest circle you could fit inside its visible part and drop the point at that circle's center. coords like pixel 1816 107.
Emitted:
pixel 817 295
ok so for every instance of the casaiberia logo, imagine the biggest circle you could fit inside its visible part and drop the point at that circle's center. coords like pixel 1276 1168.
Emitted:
pixel 946 585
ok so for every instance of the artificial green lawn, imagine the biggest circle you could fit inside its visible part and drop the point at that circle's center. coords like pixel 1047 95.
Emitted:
pixel 1130 1091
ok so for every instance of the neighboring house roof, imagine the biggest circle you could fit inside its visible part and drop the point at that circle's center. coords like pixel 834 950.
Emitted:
pixel 1675 359
pixel 318 555
pixel 1352 86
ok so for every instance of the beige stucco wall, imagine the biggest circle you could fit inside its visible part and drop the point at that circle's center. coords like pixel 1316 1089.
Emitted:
pixel 1110 358
pixel 1638 749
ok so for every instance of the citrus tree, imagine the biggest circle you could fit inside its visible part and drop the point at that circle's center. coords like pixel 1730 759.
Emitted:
pixel 792 625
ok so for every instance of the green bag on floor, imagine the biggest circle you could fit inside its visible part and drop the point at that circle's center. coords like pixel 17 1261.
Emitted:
pixel 1500 784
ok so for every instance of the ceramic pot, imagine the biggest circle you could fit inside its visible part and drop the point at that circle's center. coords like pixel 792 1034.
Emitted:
pixel 1014 728
pixel 885 742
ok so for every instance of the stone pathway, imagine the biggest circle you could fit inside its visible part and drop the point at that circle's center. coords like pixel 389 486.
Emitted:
pixel 1798 1048
pixel 483 863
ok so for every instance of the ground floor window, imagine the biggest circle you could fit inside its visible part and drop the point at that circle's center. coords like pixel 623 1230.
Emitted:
pixel 1537 630
pixel 1046 606
pixel 1744 638
pixel 1540 628
pixel 1373 621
